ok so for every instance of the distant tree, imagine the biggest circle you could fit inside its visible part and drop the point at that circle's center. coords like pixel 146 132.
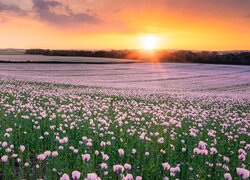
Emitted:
pixel 182 56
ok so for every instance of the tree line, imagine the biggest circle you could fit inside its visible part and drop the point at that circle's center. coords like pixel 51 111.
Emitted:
pixel 182 56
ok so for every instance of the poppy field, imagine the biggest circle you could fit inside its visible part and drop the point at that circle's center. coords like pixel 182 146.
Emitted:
pixel 52 131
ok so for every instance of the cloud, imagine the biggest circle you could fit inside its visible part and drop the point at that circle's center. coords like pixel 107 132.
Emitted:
pixel 222 5
pixel 12 8
pixel 55 12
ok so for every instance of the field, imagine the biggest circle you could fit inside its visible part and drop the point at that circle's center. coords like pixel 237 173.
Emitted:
pixel 124 121
pixel 8 57
pixel 4 52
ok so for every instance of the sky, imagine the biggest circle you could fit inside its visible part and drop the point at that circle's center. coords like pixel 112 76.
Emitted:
pixel 122 24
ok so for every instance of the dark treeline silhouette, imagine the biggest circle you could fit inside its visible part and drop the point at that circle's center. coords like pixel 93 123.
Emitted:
pixel 183 56
pixel 108 54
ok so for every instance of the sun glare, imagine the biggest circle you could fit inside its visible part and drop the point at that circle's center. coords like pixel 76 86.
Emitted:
pixel 149 42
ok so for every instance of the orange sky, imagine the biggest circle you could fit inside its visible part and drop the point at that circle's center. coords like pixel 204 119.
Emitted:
pixel 120 24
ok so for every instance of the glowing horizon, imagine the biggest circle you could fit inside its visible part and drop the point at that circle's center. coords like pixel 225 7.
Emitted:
pixel 112 24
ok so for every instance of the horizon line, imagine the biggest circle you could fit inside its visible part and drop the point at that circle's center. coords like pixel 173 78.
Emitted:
pixel 124 49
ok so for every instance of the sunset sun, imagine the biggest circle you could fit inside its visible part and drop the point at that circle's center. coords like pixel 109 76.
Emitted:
pixel 149 42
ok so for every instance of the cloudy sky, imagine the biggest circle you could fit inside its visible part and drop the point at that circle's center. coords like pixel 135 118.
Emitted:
pixel 119 24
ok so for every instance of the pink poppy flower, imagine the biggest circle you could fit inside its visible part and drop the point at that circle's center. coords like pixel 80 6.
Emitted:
pixel 243 173
pixel 47 153
pixel 41 157
pixel 161 140
pixel 76 175
pixel 127 166
pixel 121 152
pixel 104 166
pixel 138 178
pixel 129 177
pixel 65 177
pixel 118 169
pixel 102 144
pixel 165 166
pixel 4 158
pixel 86 157
pixel 197 151
pixel 22 148
pixel 4 144
pixel 105 157
pixel 227 176
pixel 54 153
pixel 202 145
pixel 92 176
pixel 213 150
pixel 175 169
pixel 242 157
pixel 89 144
pixel 133 151
pixel 204 152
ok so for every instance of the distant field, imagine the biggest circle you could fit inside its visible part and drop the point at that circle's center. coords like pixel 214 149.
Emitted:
pixel 60 59
pixel 167 78
pixel 11 52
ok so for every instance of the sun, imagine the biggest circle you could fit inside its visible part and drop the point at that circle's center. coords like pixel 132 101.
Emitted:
pixel 149 42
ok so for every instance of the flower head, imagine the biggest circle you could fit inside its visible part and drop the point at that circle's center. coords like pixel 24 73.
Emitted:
pixel 4 158
pixel 243 173
pixel 86 157
pixel 165 166
pixel 118 169
pixel 76 175
pixel 22 148
pixel 65 177
pixel 41 157
pixel 127 166
pixel 121 152
pixel 92 176
pixel 227 176
pixel 129 177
